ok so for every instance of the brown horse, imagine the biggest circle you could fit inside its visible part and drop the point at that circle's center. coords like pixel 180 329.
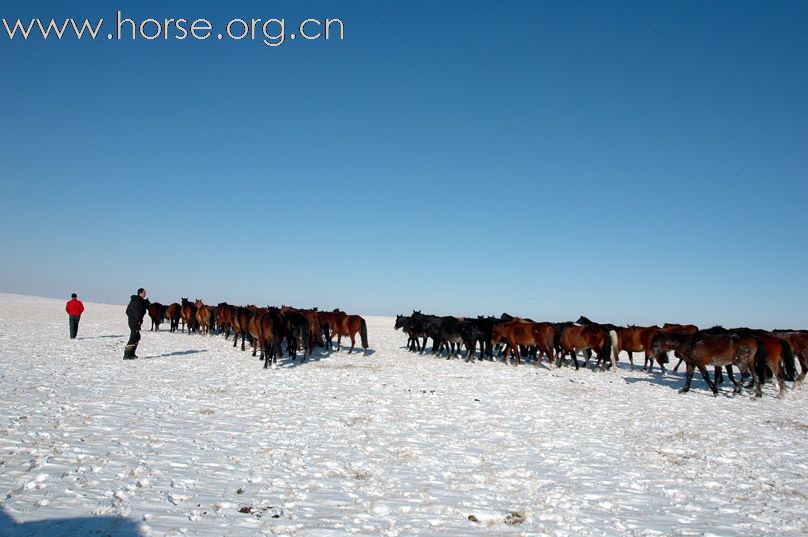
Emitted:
pixel 203 316
pixel 341 324
pixel 701 350
pixel 520 332
pixel 188 315
pixel 239 321
pixel 254 329
pixel 798 341
pixel 173 316
pixel 638 339
pixel 633 339
pixel 587 338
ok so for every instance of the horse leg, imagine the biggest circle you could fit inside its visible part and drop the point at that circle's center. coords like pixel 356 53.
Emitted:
pixel 688 378
pixel 719 376
pixel 713 386
pixel 353 342
pixel 778 373
pixel 631 360
pixel 339 342
pixel 706 375
pixel 243 335
pixel 736 385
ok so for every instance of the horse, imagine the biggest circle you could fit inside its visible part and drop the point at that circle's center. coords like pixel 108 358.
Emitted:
pixel 775 357
pixel 224 314
pixel 342 324
pixel 202 316
pixel 298 332
pixel 612 333
pixel 268 332
pixel 239 321
pixel 485 325
pixel 432 328
pixel 704 349
pixel 156 312
pixel 589 337
pixel 315 330
pixel 454 332
pixel 405 323
pixel 188 314
pixel 798 341
pixel 173 316
pixel 526 333
pixel 418 327
pixel 633 339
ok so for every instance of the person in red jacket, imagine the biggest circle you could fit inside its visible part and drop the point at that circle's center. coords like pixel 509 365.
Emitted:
pixel 74 309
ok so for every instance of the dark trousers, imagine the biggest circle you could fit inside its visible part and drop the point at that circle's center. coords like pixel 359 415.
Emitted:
pixel 134 337
pixel 74 326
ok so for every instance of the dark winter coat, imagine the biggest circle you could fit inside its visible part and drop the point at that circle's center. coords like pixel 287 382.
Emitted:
pixel 137 309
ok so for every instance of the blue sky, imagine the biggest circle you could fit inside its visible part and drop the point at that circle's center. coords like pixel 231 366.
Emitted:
pixel 631 161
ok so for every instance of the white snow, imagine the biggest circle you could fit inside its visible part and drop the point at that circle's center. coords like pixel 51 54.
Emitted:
pixel 196 438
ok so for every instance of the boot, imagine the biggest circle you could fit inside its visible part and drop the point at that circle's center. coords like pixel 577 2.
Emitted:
pixel 129 352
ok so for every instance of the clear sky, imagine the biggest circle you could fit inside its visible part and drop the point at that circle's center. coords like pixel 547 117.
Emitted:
pixel 631 161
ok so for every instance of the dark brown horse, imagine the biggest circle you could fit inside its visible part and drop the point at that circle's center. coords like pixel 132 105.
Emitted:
pixel 266 328
pixel 157 313
pixel 315 329
pixel 224 314
pixel 704 349
pixel 524 333
pixel 341 324
pixel 173 316
pixel 774 358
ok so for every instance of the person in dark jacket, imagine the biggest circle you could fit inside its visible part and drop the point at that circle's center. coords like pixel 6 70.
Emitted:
pixel 138 305
pixel 74 309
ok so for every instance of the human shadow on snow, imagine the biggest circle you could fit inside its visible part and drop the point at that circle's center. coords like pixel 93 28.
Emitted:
pixel 177 353
pixel 116 526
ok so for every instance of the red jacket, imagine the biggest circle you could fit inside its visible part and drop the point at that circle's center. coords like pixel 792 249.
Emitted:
pixel 74 307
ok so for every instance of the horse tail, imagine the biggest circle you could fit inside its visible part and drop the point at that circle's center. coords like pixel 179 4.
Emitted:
pixel 761 367
pixel 607 344
pixel 306 337
pixel 789 361
pixel 363 333
pixel 615 344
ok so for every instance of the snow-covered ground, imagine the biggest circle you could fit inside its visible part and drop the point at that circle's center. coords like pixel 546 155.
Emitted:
pixel 197 438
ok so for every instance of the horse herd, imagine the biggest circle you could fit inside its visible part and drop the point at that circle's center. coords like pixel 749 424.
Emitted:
pixel 268 329
pixel 759 353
